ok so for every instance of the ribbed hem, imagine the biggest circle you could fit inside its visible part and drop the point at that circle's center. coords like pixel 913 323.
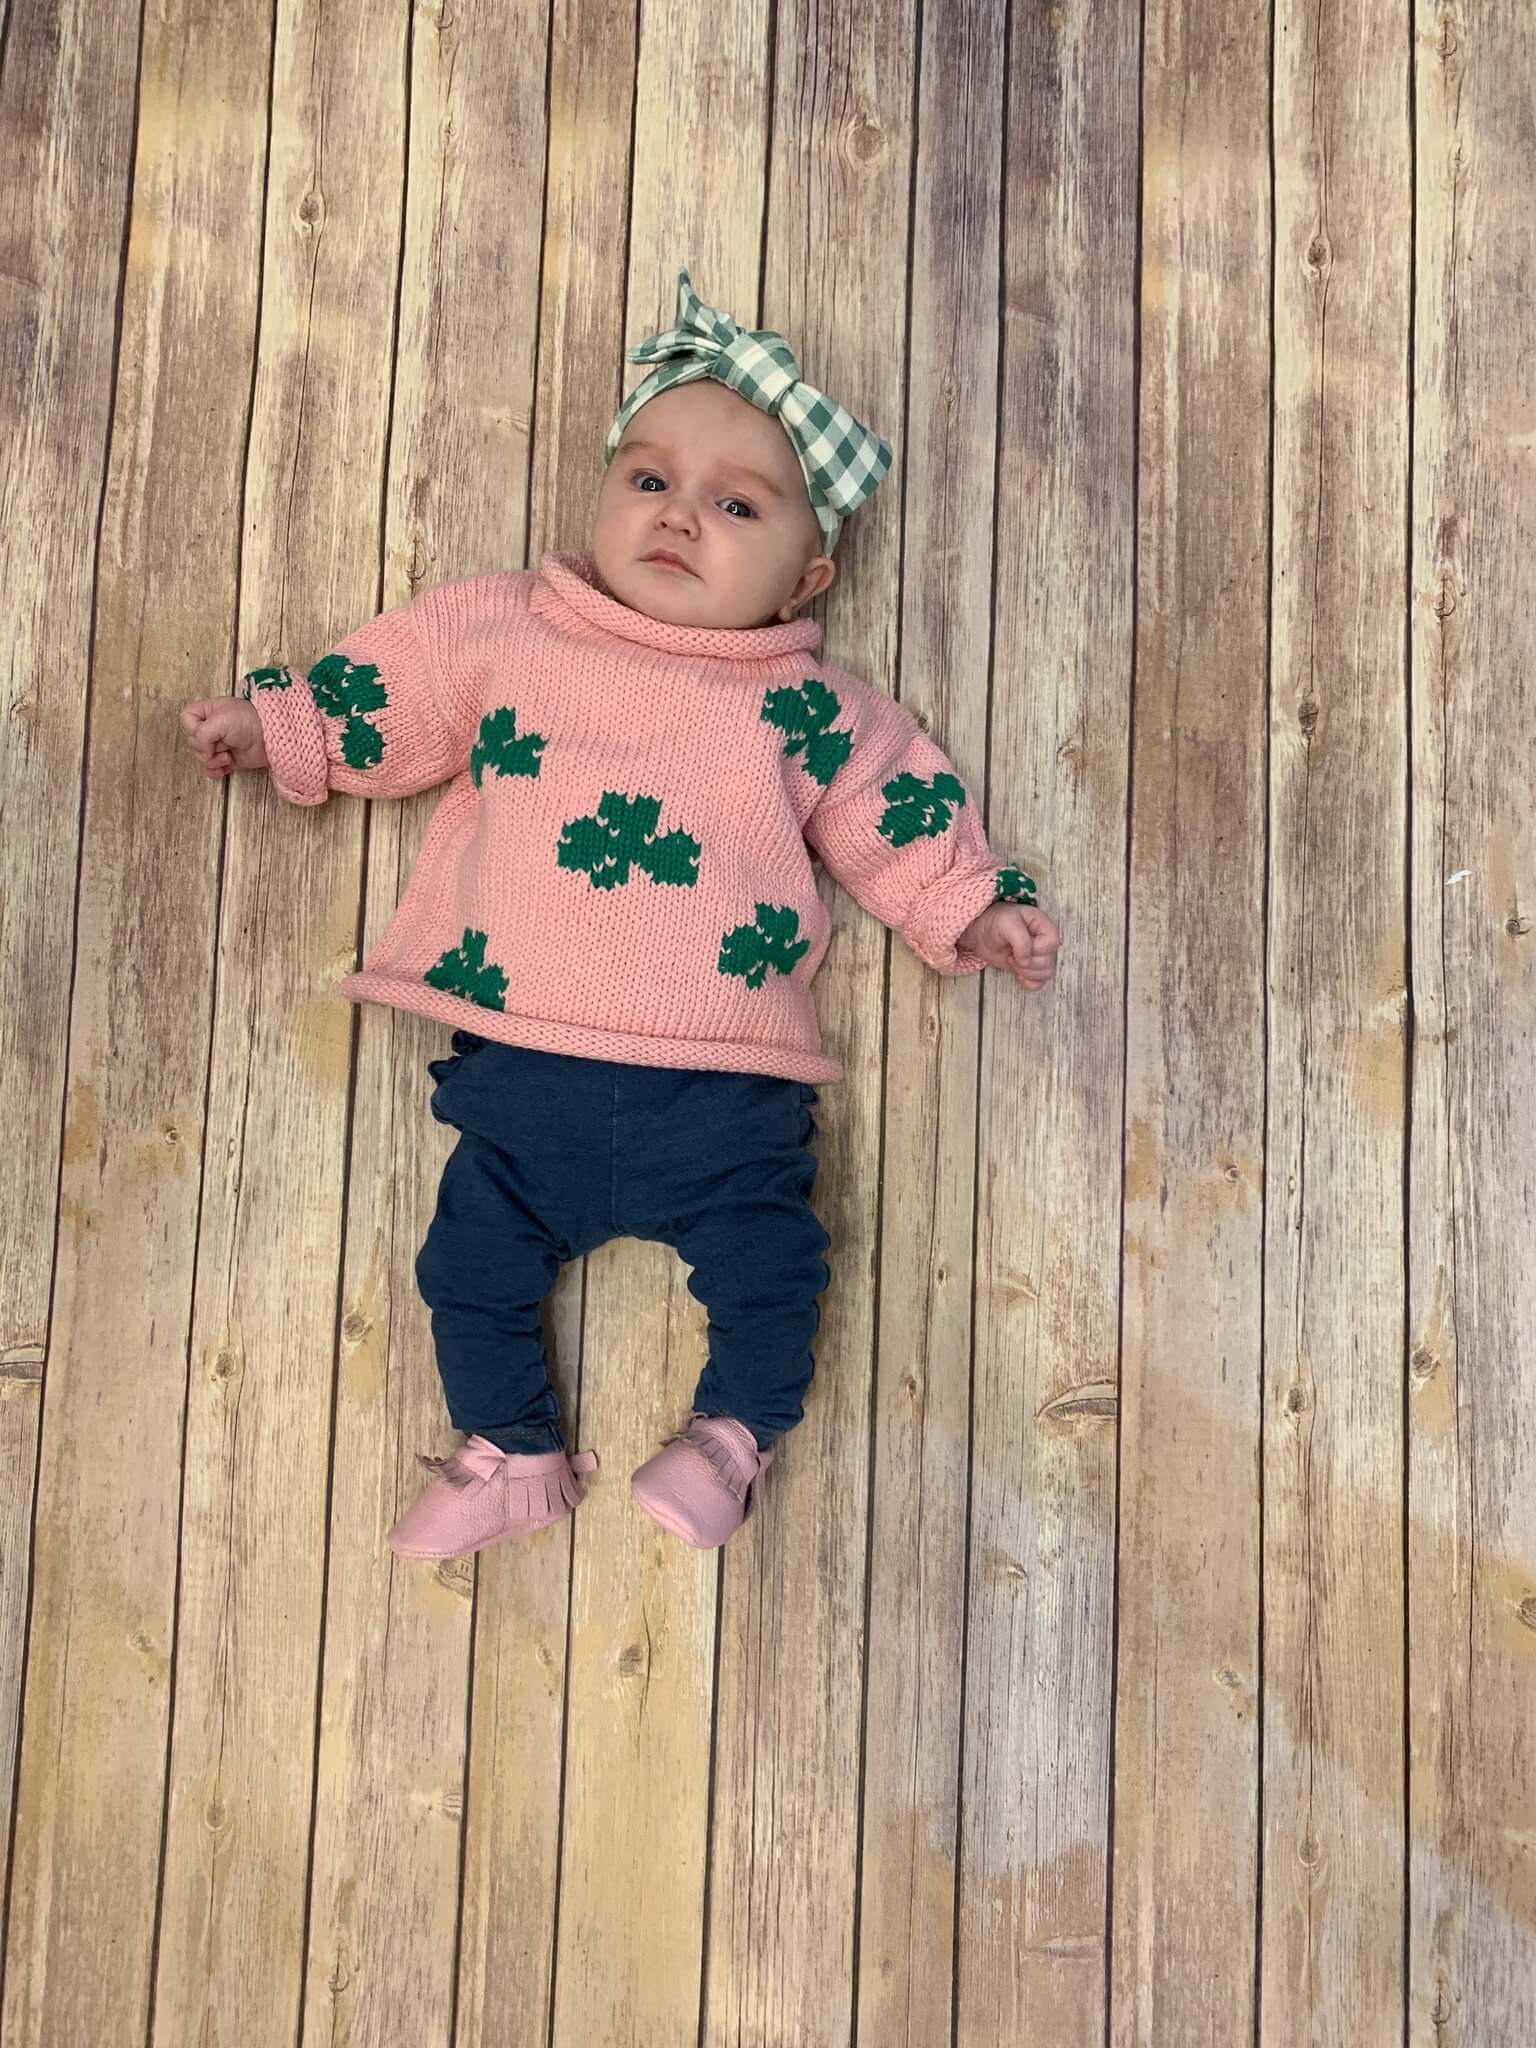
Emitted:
pixel 538 1034
pixel 293 733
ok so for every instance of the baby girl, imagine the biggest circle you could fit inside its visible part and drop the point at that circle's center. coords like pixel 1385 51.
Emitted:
pixel 616 910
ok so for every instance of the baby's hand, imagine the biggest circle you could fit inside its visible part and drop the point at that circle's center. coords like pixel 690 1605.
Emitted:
pixel 1023 941
pixel 224 733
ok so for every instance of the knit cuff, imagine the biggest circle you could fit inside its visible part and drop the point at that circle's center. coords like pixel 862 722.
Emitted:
pixel 293 733
pixel 942 912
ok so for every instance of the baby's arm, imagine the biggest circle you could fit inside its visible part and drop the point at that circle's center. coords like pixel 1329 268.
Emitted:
pixel 898 828
pixel 378 716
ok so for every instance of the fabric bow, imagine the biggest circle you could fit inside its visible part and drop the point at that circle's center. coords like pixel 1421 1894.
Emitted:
pixel 843 461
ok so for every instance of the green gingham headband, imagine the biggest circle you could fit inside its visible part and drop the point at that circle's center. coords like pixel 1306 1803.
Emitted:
pixel 843 461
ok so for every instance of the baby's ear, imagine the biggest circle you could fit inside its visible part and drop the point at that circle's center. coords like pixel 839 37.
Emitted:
pixel 815 577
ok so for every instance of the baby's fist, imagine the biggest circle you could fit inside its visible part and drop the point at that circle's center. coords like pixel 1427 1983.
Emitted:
pixel 1021 940
pixel 224 733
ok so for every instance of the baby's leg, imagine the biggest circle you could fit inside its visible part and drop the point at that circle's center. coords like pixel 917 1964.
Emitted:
pixel 487 1264
pixel 757 1250
pixel 523 1192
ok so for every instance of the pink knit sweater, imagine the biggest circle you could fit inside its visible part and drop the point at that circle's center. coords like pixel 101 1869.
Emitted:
pixel 620 867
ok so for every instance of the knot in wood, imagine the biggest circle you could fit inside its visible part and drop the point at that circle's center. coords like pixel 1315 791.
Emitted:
pixel 865 139
pixel 1095 1401
pixel 311 209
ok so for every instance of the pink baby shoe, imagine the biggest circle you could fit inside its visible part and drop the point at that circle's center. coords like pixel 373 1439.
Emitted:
pixel 696 1485
pixel 481 1495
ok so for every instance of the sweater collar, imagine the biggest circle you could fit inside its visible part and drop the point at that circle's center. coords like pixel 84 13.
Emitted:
pixel 570 588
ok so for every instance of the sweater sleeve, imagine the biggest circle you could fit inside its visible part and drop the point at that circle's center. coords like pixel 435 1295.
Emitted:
pixel 899 829
pixel 379 715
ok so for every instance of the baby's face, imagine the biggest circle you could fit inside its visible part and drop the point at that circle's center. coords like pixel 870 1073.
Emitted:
pixel 704 474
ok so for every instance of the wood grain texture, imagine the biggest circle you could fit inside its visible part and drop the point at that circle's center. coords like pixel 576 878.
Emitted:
pixel 922 1402
pixel 517 1767
pixel 1039 1672
pixel 890 1771
pixel 1186 1749
pixel 259 1414
pixel 785 1829
pixel 516 1777
pixel 99 1679
pixel 394 1713
pixel 1472 1499
pixel 1333 1844
pixel 66 116
pixel 643 1616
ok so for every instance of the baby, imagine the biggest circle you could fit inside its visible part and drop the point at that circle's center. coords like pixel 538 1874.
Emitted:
pixel 616 910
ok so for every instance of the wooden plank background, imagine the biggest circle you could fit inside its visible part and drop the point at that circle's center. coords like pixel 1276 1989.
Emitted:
pixel 1138 1640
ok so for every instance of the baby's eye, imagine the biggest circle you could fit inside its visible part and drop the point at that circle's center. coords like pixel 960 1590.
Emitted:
pixel 643 479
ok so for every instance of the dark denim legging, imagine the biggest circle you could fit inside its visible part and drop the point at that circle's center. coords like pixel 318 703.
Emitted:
pixel 557 1155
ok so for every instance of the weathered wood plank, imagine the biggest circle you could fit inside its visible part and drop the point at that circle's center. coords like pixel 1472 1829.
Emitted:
pixel 1186 1760
pixel 785 1833
pixel 259 1408
pixel 393 1726
pixel 1040 1667
pixel 640 1685
pixel 922 1401
pixel 66 131
pixel 512 1845
pixel 1031 1794
pixel 1472 1435
pixel 1333 1846
pixel 516 1762
pixel 644 1605
pixel 92 1770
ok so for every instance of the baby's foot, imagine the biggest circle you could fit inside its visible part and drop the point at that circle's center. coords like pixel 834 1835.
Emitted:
pixel 481 1495
pixel 696 1485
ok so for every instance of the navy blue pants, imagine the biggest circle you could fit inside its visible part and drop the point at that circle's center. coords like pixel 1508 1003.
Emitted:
pixel 557 1155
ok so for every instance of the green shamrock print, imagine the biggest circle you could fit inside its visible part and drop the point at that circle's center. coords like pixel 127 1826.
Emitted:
pixel 501 747
pixel 265 679
pixel 1014 886
pixel 345 691
pixel 623 834
pixel 806 715
pixel 751 949
pixel 464 971
pixel 918 809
